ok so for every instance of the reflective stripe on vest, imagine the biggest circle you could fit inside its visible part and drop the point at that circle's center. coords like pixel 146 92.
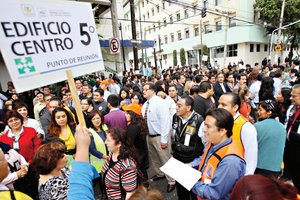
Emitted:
pixel 237 132
pixel 214 160
pixel 100 146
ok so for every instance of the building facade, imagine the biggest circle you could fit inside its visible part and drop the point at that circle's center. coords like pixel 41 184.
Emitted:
pixel 228 24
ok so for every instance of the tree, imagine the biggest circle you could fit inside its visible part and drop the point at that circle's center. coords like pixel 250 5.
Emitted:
pixel 270 13
pixel 174 58
pixel 182 57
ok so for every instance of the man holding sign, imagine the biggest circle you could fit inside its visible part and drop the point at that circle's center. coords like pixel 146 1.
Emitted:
pixel 222 163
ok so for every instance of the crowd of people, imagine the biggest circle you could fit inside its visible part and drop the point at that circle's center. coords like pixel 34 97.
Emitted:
pixel 238 126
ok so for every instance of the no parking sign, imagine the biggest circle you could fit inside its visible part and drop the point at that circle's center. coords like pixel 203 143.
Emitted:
pixel 114 46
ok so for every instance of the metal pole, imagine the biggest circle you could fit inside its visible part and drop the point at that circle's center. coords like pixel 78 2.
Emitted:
pixel 225 45
pixel 283 27
pixel 201 43
pixel 114 16
pixel 133 29
pixel 159 45
pixel 155 59
pixel 140 18
pixel 122 43
pixel 280 24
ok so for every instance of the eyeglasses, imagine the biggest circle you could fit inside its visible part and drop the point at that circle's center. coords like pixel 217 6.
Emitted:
pixel 13 120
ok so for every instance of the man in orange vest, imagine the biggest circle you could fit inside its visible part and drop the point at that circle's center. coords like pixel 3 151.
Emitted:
pixel 244 133
pixel 222 163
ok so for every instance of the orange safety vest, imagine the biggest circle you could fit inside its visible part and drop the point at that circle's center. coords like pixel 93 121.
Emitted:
pixel 214 160
pixel 237 132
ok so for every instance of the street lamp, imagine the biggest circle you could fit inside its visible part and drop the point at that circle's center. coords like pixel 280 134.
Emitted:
pixel 283 27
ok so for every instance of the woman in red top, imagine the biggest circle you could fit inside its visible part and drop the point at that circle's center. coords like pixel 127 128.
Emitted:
pixel 25 141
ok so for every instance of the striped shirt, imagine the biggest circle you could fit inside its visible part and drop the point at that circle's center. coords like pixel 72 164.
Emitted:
pixel 126 169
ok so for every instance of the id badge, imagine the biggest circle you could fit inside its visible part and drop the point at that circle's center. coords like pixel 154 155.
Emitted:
pixel 187 139
pixel 298 131
pixel 16 145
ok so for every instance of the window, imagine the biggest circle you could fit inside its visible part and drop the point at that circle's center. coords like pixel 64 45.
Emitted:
pixel 218 52
pixel 206 28
pixel 217 2
pixel 171 19
pixel 166 39
pixel 232 50
pixel 232 22
pixel 163 5
pixel 258 48
pixel 187 33
pixel 266 47
pixel 148 15
pixel 147 1
pixel 154 27
pixel 157 8
pixel 165 22
pixel 158 25
pixel 186 13
pixel 152 11
pixel 179 35
pixel 178 16
pixel 149 28
pixel 143 4
pixel 251 47
pixel 196 31
pixel 172 37
pixel 144 17
pixel 218 26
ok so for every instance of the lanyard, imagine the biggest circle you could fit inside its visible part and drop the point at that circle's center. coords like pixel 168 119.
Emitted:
pixel 295 117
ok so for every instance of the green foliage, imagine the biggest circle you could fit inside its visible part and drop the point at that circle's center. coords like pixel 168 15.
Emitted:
pixel 182 57
pixel 174 58
pixel 270 11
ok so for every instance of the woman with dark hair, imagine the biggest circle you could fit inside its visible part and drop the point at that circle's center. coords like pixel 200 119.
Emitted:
pixel 266 90
pixel 271 135
pixel 62 126
pixel 258 187
pixel 137 131
pixel 98 151
pixel 284 102
pixel 230 80
pixel 24 140
pixel 136 97
pixel 22 108
pixel 86 107
pixel 124 97
pixel 50 162
pixel 119 172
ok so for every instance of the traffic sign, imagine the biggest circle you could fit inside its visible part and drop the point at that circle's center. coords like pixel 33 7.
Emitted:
pixel 114 46
pixel 41 40
pixel 278 48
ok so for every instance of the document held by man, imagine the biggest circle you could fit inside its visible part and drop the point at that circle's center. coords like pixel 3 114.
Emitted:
pixel 182 173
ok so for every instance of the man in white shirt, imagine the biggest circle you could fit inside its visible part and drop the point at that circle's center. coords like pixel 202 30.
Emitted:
pixel 104 85
pixel 156 113
pixel 244 133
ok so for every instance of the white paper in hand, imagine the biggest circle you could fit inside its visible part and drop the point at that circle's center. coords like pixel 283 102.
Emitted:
pixel 182 173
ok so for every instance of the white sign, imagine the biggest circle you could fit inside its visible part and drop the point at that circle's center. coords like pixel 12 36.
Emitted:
pixel 41 40
pixel 204 57
pixel 114 45
pixel 174 168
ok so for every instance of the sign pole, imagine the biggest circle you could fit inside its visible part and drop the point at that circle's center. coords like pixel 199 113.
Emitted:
pixel 75 98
